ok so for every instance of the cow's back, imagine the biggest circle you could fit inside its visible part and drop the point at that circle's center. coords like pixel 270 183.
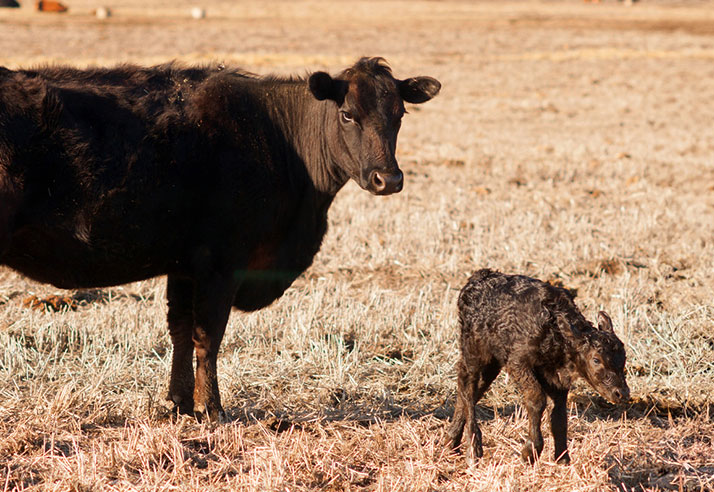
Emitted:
pixel 115 176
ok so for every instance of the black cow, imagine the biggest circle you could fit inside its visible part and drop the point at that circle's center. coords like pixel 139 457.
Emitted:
pixel 215 177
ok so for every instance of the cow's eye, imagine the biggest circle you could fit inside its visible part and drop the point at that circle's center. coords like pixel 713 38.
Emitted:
pixel 347 117
pixel 596 361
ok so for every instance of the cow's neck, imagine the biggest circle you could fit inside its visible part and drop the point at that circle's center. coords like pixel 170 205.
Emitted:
pixel 303 120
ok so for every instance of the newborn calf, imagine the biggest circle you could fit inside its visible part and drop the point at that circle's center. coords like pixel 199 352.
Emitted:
pixel 535 332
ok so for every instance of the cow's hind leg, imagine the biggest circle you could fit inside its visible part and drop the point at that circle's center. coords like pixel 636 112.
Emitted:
pixel 212 303
pixel 179 293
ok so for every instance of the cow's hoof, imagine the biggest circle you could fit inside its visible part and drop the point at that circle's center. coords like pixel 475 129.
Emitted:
pixel 564 459
pixel 182 406
pixel 212 415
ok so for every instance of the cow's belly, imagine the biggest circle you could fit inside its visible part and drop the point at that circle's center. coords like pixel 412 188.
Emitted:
pixel 54 257
pixel 272 268
pixel 261 287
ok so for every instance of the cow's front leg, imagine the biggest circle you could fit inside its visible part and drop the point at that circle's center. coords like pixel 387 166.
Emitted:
pixel 179 293
pixel 211 307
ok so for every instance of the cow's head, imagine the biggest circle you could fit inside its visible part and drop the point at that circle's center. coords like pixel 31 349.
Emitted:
pixel 368 109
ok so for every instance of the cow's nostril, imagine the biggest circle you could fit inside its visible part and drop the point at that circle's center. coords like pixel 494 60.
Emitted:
pixel 382 183
pixel 378 183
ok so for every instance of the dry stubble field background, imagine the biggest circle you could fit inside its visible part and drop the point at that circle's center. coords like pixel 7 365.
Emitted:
pixel 573 142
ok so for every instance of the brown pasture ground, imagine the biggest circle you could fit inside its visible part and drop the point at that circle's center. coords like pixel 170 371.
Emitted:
pixel 571 141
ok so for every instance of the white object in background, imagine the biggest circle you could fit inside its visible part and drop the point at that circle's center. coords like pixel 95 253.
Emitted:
pixel 103 13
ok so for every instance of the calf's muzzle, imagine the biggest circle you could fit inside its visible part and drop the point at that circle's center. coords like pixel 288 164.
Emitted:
pixel 621 394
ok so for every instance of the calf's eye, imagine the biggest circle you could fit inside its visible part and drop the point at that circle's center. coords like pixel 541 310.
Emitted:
pixel 347 117
pixel 596 361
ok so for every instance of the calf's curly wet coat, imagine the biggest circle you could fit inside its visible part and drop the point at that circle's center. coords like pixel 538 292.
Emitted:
pixel 536 333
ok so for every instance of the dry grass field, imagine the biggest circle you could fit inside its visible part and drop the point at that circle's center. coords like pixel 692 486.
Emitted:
pixel 571 141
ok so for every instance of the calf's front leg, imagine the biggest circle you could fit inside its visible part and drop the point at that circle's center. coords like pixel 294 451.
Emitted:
pixel 559 425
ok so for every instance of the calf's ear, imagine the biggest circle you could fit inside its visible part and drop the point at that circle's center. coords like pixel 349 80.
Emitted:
pixel 324 87
pixel 604 322
pixel 567 328
pixel 417 90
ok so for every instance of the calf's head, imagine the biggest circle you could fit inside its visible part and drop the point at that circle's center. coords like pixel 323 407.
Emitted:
pixel 602 361
pixel 367 105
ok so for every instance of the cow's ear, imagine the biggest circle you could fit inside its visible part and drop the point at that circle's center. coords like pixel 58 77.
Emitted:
pixel 417 90
pixel 324 87
pixel 604 322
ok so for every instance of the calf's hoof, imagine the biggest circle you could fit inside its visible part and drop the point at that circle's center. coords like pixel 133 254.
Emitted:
pixel 453 440
pixel 474 454
pixel 530 453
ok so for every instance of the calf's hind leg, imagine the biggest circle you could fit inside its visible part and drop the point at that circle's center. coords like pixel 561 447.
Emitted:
pixel 464 390
pixel 179 293
pixel 474 379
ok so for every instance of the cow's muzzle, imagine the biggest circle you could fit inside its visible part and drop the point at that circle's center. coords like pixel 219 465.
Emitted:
pixel 385 183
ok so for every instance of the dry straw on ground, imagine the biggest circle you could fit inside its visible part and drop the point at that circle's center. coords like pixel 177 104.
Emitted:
pixel 572 142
